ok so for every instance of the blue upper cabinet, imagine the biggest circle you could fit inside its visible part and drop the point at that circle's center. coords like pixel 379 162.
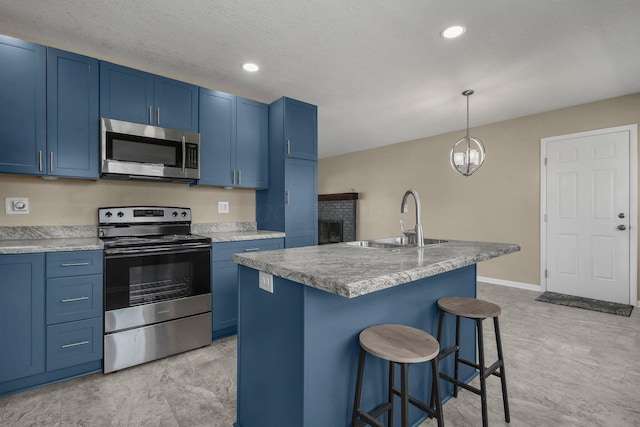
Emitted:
pixel 49 111
pixel 217 137
pixel 234 141
pixel 135 96
pixel 252 144
pixel 23 106
pixel 72 115
pixel 300 129
pixel 22 321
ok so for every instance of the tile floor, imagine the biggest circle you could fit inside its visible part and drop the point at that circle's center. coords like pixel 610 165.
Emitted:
pixel 565 367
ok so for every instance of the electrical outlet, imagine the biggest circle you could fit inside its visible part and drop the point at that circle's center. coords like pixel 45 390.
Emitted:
pixel 223 207
pixel 266 281
pixel 16 205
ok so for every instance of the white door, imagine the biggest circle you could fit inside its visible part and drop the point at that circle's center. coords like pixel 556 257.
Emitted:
pixel 588 210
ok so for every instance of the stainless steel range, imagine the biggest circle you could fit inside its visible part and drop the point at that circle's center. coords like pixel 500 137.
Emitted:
pixel 157 281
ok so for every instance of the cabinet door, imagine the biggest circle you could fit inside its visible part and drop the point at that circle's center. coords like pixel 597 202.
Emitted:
pixel 126 94
pixel 176 104
pixel 300 129
pixel 301 203
pixel 22 328
pixel 217 135
pixel 72 115
pixel 252 144
pixel 73 343
pixel 23 106
pixel 74 298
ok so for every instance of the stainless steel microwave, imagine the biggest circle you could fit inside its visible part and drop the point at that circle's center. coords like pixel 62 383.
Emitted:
pixel 142 152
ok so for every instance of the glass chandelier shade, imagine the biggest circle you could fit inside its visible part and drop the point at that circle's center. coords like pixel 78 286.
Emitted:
pixel 468 153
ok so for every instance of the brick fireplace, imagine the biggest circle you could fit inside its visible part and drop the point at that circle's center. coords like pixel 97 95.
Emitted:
pixel 337 217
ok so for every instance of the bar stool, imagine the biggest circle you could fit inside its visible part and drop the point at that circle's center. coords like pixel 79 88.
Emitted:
pixel 477 310
pixel 402 345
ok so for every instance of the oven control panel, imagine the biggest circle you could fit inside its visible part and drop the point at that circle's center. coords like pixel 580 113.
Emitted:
pixel 142 214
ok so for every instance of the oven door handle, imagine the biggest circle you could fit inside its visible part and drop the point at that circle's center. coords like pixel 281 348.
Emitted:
pixel 109 253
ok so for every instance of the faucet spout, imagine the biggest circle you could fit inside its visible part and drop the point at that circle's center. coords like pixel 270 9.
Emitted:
pixel 403 209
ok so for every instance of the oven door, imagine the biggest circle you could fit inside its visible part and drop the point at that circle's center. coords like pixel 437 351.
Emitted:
pixel 139 276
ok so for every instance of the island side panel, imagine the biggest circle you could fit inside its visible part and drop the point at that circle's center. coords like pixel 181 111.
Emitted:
pixel 270 352
pixel 332 324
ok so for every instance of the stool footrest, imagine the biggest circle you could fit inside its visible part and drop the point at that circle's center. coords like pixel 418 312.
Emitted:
pixel 491 370
pixel 447 352
pixel 370 417
pixel 417 403
pixel 459 383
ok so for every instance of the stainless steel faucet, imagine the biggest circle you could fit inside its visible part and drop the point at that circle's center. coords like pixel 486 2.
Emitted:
pixel 417 234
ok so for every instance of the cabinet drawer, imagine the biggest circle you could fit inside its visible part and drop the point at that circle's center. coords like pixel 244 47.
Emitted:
pixel 74 298
pixel 76 263
pixel 223 251
pixel 73 343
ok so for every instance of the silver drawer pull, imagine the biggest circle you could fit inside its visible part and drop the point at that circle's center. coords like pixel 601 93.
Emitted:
pixel 75 344
pixel 74 264
pixel 74 299
pixel 252 249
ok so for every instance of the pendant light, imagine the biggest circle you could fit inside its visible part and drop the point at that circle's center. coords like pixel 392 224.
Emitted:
pixel 467 154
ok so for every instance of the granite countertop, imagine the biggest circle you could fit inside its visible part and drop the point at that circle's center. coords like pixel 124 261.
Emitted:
pixel 22 246
pixel 236 236
pixel 352 271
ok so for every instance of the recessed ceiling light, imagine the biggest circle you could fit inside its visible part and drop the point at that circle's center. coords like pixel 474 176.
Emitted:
pixel 250 67
pixel 453 32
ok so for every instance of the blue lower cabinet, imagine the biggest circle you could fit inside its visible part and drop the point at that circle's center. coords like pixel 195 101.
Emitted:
pixel 74 298
pixel 73 343
pixel 224 282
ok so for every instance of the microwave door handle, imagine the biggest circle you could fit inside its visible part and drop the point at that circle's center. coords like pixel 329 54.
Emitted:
pixel 184 153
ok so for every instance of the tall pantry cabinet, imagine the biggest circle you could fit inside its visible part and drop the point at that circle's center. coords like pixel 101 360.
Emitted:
pixel 291 202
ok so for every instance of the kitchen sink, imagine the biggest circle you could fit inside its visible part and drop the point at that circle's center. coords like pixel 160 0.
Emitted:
pixel 393 242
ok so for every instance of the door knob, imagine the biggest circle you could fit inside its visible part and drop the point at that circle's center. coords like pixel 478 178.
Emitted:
pixel 621 215
pixel 622 227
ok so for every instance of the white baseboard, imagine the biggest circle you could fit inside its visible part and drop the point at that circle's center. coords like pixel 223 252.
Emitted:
pixel 509 283
pixel 518 285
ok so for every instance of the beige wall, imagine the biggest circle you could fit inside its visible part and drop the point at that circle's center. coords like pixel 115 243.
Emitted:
pixel 500 203
pixel 75 201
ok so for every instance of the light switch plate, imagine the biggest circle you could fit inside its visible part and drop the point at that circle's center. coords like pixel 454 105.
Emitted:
pixel 266 281
pixel 16 205
pixel 223 207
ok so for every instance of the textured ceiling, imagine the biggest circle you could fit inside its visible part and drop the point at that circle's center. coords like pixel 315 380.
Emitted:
pixel 377 69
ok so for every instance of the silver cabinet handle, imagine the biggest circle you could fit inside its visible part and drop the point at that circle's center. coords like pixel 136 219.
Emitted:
pixel 51 161
pixel 158 115
pixel 74 299
pixel 150 115
pixel 287 197
pixel 75 344
pixel 74 264
pixel 184 149
pixel 252 249
pixel 288 147
pixel 40 160
pixel 233 177
pixel 239 176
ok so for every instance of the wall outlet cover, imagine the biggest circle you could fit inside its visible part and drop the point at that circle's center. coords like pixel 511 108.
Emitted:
pixel 16 205
pixel 223 207
pixel 265 281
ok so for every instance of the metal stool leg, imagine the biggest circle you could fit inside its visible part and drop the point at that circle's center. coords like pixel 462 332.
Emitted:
pixel 482 375
pixel 503 377
pixel 392 372
pixel 436 397
pixel 404 398
pixel 456 366
pixel 356 403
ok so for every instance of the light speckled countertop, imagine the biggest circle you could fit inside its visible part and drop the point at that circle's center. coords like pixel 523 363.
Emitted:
pixel 352 271
pixel 20 240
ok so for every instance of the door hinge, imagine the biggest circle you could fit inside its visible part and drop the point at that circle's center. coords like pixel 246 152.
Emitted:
pixel 545 161
pixel 545 217
pixel 546 274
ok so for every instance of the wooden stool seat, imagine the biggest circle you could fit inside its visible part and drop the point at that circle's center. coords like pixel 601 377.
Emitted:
pixel 469 307
pixel 399 343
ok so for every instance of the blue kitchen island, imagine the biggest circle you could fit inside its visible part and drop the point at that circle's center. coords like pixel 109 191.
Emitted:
pixel 298 338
